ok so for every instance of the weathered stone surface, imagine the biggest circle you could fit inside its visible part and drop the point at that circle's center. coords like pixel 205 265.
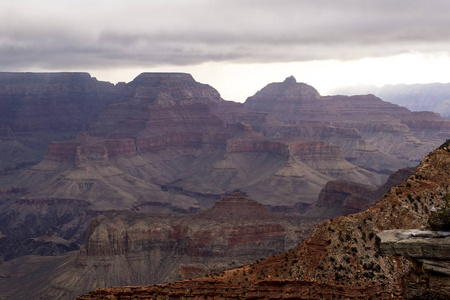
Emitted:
pixel 161 126
pixel 429 252
pixel 415 243
pixel 41 227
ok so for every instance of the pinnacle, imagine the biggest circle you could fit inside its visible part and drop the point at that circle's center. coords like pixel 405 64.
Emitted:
pixel 290 80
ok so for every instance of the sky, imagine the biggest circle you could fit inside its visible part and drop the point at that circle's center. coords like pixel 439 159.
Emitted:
pixel 237 47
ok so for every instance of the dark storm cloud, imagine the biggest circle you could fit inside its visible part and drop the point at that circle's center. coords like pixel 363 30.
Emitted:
pixel 67 34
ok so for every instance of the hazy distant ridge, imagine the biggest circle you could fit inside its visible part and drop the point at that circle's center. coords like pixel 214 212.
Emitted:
pixel 416 97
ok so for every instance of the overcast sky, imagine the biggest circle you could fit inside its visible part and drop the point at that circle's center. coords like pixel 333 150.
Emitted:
pixel 236 46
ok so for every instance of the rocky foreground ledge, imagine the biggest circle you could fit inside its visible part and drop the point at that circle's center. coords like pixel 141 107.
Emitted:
pixel 429 252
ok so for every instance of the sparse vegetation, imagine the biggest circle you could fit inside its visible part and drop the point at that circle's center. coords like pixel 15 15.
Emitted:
pixel 440 219
pixel 445 146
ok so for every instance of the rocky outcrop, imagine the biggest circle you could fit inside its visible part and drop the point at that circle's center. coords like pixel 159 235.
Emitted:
pixel 167 87
pixel 236 208
pixel 339 259
pixel 429 252
pixel 91 148
pixel 340 198
pixel 291 101
pixel 302 167
pixel 283 99
pixel 168 127
pixel 344 197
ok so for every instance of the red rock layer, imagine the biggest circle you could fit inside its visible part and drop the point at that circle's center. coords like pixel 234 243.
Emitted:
pixel 90 147
pixel 124 248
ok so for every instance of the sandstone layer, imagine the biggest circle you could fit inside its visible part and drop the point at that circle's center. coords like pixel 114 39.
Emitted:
pixel 429 253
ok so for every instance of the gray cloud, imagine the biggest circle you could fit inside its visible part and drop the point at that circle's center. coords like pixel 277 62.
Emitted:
pixel 68 34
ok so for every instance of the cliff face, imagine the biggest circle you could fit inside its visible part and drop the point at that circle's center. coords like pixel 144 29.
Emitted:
pixel 429 253
pixel 261 166
pixel 167 125
pixel 81 169
pixel 41 227
pixel 343 197
pixel 385 127
pixel 37 108
pixel 339 259
pixel 165 143
pixel 127 248
pixel 32 101
pixel 160 126
pixel 340 198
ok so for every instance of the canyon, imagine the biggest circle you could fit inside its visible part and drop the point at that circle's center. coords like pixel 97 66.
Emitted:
pixel 77 152
pixel 126 248
pixel 340 259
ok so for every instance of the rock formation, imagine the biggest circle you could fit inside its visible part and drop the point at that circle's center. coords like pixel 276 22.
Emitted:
pixel 384 127
pixel 37 108
pixel 340 198
pixel 127 248
pixel 165 125
pixel 77 148
pixel 429 253
pixel 339 259
pixel 161 126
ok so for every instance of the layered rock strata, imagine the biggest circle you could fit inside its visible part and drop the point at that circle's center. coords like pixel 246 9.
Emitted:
pixel 429 253
pixel 36 108
pixel 385 128
pixel 161 126
pixel 338 260
pixel 166 143
pixel 128 248
pixel 167 125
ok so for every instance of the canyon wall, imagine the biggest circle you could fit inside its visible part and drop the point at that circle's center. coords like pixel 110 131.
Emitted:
pixel 338 260
pixel 76 148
